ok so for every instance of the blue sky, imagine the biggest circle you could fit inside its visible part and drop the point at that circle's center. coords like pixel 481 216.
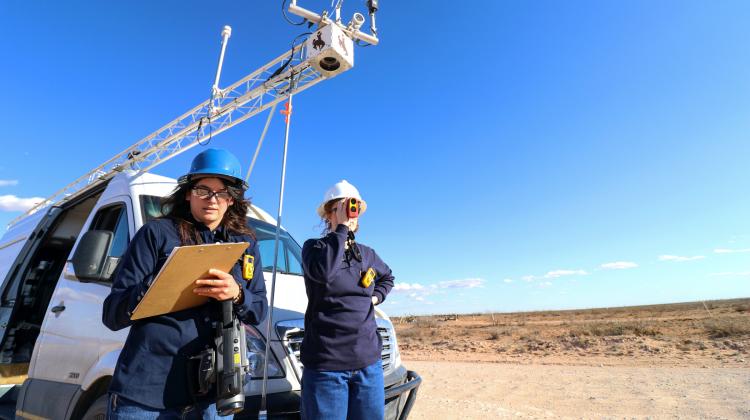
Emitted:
pixel 514 155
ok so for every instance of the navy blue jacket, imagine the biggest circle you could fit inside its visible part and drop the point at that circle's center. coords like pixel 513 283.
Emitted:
pixel 152 368
pixel 340 328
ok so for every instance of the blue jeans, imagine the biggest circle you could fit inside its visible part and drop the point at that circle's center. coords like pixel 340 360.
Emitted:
pixel 123 409
pixel 343 394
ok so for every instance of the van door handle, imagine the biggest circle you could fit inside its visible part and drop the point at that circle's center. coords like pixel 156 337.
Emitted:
pixel 57 309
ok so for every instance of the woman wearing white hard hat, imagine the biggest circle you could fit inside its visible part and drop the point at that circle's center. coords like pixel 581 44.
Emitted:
pixel 341 350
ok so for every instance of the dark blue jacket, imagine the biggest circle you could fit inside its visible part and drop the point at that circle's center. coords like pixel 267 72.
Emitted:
pixel 340 328
pixel 152 367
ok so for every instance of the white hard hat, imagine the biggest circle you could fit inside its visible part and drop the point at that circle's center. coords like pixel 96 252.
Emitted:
pixel 342 189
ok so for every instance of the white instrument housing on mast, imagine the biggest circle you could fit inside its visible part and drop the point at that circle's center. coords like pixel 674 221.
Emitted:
pixel 330 51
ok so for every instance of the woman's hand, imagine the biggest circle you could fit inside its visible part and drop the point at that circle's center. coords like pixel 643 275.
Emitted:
pixel 221 286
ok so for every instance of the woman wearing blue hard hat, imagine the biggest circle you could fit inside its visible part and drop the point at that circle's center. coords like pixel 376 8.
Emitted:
pixel 153 375
pixel 341 350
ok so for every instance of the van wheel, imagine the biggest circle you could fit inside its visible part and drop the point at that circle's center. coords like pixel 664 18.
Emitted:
pixel 98 410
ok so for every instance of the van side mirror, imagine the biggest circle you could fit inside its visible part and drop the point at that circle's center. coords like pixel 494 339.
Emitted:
pixel 90 260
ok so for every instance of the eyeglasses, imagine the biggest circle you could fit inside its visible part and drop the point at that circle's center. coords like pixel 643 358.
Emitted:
pixel 207 194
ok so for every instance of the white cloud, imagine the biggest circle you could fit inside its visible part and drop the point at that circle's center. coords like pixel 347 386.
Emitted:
pixel 419 292
pixel 407 286
pixel 8 182
pixel 555 274
pixel 461 284
pixel 545 284
pixel 678 258
pixel 508 280
pixel 618 265
pixel 560 273
pixel 730 251
pixel 13 203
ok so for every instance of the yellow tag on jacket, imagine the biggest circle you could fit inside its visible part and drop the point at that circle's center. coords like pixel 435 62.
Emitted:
pixel 248 267
pixel 368 278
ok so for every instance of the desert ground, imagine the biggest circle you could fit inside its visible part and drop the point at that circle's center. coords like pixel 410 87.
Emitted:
pixel 686 360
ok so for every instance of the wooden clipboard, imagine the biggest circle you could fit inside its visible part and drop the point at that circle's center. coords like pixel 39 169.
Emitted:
pixel 172 289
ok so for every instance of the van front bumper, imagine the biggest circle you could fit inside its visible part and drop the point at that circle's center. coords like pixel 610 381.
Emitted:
pixel 281 405
pixel 399 399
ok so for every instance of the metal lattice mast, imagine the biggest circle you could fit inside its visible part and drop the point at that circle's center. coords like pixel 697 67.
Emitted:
pixel 254 93
pixel 260 90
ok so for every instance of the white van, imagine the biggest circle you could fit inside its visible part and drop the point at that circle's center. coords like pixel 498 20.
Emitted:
pixel 56 356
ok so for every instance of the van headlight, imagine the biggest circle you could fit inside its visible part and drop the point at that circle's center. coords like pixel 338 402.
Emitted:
pixel 256 348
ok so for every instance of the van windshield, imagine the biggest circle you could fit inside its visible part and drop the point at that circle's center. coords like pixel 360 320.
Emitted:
pixel 290 254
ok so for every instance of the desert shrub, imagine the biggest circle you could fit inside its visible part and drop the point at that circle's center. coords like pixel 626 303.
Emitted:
pixel 640 329
pixel 409 333
pixel 427 322
pixel 538 345
pixel 527 334
pixel 613 329
pixel 577 342
pixel 720 328
pixel 577 332
pixel 607 330
pixel 497 332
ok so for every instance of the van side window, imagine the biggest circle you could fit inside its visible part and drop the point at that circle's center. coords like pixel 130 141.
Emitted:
pixel 266 247
pixel 289 251
pixel 150 207
pixel 114 219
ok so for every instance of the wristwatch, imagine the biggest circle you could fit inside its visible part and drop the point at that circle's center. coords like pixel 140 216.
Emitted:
pixel 238 299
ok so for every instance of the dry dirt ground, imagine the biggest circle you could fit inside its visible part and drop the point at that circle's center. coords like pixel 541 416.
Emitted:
pixel 685 360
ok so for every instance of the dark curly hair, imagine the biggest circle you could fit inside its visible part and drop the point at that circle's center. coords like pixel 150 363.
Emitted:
pixel 175 207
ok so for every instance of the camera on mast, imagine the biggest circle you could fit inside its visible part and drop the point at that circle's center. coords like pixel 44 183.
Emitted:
pixel 330 51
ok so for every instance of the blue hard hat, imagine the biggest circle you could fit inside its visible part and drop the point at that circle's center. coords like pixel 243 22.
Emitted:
pixel 215 162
